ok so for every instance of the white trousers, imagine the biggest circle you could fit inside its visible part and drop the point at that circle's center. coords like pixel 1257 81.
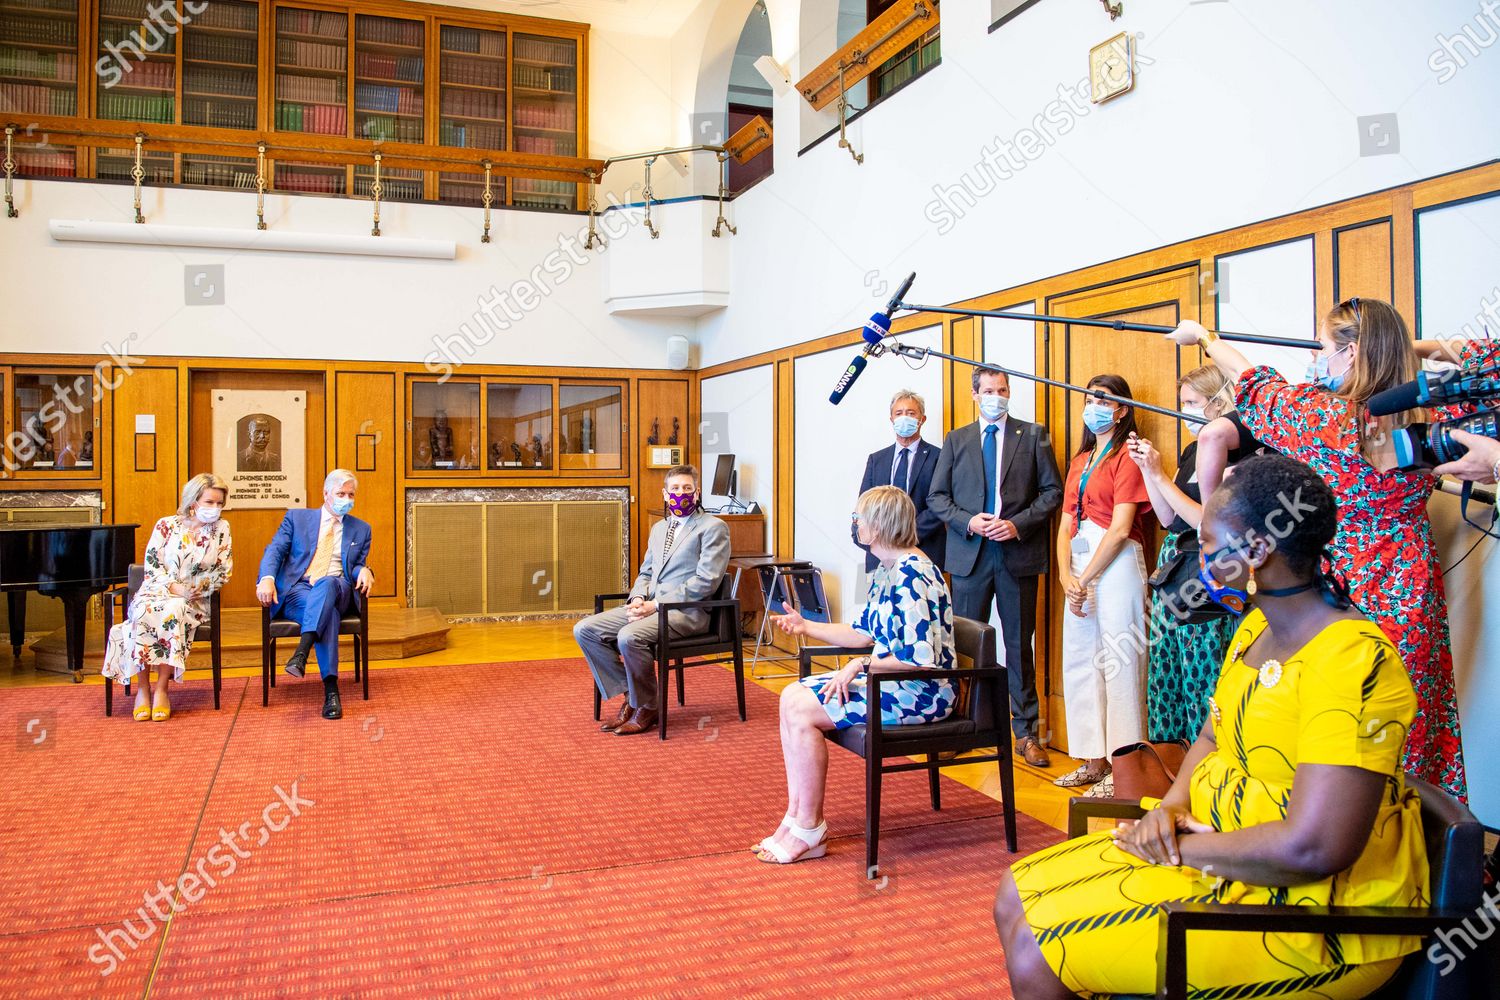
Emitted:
pixel 1104 652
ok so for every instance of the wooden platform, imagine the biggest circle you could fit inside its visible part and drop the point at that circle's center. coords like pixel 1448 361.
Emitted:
pixel 395 634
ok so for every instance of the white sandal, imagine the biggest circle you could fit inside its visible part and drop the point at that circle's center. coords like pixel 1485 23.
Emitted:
pixel 765 845
pixel 816 840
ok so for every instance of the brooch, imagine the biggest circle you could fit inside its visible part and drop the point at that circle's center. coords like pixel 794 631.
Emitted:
pixel 1270 673
pixel 1216 712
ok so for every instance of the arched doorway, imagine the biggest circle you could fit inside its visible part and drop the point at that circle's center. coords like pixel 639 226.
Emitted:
pixel 749 94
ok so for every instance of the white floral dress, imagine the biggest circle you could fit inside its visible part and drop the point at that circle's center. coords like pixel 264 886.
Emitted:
pixel 159 627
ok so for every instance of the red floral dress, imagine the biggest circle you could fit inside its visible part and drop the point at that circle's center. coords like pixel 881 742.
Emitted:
pixel 1383 550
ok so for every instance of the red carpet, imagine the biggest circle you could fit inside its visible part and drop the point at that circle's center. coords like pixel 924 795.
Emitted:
pixel 468 831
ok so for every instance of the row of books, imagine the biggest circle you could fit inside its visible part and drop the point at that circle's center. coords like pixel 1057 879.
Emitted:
pixel 390 189
pixel 472 136
pixel 30 99
pixel 38 65
pixel 312 55
pixel 550 145
pixel 64 6
pixel 46 32
pixel 473 72
pixel 547 115
pixel 401 100
pixel 237 175
pixel 478 41
pixel 381 128
pixel 158 75
pixel 324 119
pixel 217 113
pixel 115 165
pixel 222 14
pixel 124 8
pixel 312 22
pixel 47 163
pixel 137 107
pixel 131 38
pixel 559 78
pixel 388 31
pixel 207 79
pixel 388 67
pixel 544 50
pixel 221 48
pixel 309 89
pixel 473 104
pixel 320 183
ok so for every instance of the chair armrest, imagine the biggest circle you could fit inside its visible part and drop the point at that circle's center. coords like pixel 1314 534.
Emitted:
pixel 1081 810
pixel 806 654
pixel 882 675
pixel 731 602
pixel 599 600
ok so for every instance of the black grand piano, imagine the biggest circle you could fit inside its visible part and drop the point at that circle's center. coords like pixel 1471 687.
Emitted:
pixel 68 561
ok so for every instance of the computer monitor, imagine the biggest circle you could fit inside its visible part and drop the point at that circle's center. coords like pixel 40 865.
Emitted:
pixel 723 477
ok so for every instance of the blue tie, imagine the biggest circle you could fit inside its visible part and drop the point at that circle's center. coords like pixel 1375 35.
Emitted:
pixel 989 468
pixel 902 471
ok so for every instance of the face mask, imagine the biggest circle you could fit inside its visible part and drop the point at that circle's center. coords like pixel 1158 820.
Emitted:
pixel 1193 411
pixel 994 407
pixel 208 515
pixel 1318 371
pixel 682 504
pixel 1098 418
pixel 1229 597
pixel 341 505
pixel 906 426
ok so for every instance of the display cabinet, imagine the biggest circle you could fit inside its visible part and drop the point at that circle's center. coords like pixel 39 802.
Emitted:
pixel 54 418
pixel 220 61
pixel 446 434
pixel 518 420
pixel 590 425
pixel 39 57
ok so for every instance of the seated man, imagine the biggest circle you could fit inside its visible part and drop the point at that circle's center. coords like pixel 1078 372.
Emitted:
pixel 309 574
pixel 685 559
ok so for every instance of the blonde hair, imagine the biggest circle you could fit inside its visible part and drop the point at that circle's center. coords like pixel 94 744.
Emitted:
pixel 890 516
pixel 1212 384
pixel 1385 357
pixel 908 394
pixel 194 488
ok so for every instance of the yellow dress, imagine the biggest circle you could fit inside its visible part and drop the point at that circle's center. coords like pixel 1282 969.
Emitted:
pixel 1343 699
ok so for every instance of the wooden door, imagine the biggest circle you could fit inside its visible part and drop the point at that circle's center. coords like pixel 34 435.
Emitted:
pixel 365 442
pixel 1151 365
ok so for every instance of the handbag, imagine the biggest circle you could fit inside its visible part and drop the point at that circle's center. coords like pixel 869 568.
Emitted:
pixel 1147 770
pixel 1183 596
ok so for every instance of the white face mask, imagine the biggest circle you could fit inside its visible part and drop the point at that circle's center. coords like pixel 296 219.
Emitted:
pixel 1193 411
pixel 208 515
pixel 994 407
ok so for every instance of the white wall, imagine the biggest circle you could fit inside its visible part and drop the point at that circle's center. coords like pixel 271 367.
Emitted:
pixel 1458 281
pixel 1011 343
pixel 738 417
pixel 1269 290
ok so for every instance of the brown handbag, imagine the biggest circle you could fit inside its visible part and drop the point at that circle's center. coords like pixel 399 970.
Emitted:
pixel 1144 770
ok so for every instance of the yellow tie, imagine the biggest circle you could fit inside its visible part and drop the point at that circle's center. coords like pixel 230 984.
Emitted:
pixel 323 555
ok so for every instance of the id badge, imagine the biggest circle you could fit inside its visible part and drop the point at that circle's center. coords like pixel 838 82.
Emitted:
pixel 1080 544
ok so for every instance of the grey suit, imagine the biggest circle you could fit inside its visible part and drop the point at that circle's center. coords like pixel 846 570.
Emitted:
pixel 620 651
pixel 1030 490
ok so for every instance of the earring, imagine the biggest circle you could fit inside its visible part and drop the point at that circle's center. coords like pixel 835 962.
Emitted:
pixel 1250 587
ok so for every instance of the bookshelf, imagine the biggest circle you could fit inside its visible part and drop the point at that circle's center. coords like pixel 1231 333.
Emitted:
pixel 136 65
pixel 39 57
pixel 220 62
pixel 471 103
pixel 396 185
pixel 202 170
pixel 389 70
pixel 312 71
pixel 544 113
pixel 310 178
pixel 468 189
pixel 115 165
pixel 47 161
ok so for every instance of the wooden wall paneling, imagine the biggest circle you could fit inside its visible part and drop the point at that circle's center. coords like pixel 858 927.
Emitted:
pixel 1324 282
pixel 253 528
pixel 364 431
pixel 143 494
pixel 968 342
pixel 1363 261
pixel 661 399
pixel 1404 256
pixel 786 465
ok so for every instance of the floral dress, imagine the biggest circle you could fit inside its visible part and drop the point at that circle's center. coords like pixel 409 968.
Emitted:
pixel 159 626
pixel 1383 550
pixel 909 617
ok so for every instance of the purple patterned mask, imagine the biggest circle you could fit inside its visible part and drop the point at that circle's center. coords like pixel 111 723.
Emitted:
pixel 682 504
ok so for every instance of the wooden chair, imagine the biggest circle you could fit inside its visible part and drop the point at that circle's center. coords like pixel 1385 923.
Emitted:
pixel 719 643
pixel 212 630
pixel 1455 860
pixel 980 720
pixel 356 623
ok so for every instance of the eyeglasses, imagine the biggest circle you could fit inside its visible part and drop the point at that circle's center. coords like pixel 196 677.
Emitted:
pixel 1353 303
pixel 854 518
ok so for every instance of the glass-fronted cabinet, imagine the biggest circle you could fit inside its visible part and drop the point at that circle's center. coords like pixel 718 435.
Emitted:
pixel 519 419
pixel 445 428
pixel 54 416
pixel 590 425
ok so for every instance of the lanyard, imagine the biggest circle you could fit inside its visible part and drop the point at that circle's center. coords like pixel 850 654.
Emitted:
pixel 1083 483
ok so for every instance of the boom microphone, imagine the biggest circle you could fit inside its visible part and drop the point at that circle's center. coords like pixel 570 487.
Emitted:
pixel 1435 388
pixel 879 325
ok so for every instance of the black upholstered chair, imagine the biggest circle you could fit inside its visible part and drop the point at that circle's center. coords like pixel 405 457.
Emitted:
pixel 1455 859
pixel 212 630
pixel 980 721
pixel 356 623
pixel 720 642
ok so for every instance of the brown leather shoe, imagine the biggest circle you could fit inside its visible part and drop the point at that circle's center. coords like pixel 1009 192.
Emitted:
pixel 641 720
pixel 619 719
pixel 1031 751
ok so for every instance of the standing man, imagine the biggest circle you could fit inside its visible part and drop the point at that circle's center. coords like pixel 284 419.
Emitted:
pixel 685 559
pixel 908 464
pixel 309 574
pixel 995 486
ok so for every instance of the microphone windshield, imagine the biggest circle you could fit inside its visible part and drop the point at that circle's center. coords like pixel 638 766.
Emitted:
pixel 1399 398
pixel 878 326
pixel 846 380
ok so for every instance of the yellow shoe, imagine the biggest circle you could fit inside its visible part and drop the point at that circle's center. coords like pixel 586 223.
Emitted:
pixel 143 712
pixel 160 713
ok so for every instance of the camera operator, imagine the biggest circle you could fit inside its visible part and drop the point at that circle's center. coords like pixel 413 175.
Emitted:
pixel 1384 547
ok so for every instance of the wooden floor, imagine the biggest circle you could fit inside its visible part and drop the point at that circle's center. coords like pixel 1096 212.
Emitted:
pixel 512 642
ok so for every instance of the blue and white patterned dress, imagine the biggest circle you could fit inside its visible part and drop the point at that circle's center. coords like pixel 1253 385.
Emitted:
pixel 909 617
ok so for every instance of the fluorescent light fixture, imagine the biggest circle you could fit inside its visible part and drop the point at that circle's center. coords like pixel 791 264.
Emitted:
pixel 224 238
pixel 775 74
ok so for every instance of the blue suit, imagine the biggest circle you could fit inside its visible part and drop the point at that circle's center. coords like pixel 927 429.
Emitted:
pixel 316 607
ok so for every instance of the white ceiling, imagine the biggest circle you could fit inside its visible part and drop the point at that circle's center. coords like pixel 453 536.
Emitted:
pixel 637 17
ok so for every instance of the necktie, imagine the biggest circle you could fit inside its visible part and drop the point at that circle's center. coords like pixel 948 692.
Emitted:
pixel 322 558
pixel 989 468
pixel 902 473
pixel 666 546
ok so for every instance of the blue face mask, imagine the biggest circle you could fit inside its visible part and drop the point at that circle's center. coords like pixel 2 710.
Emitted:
pixel 994 407
pixel 906 426
pixel 341 505
pixel 1098 418
pixel 1229 597
pixel 1318 371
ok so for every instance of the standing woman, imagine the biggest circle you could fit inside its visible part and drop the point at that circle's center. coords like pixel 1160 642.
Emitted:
pixel 187 558
pixel 1103 575
pixel 1384 546
pixel 1185 658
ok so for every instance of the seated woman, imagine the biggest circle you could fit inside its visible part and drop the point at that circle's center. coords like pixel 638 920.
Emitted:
pixel 1292 794
pixel 187 558
pixel 908 623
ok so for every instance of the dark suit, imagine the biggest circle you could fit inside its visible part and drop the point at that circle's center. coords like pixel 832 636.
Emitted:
pixel 315 606
pixel 932 533
pixel 1030 490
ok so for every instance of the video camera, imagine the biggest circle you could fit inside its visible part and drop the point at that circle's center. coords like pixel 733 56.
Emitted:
pixel 1422 446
